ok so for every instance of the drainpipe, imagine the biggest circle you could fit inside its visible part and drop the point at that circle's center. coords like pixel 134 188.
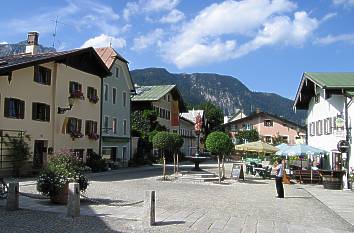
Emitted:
pixel 348 139
pixel 101 112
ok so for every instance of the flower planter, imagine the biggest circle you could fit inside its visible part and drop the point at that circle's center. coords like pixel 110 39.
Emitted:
pixel 332 179
pixel 61 197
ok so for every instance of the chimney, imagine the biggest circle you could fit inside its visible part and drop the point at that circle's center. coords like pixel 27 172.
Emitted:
pixel 32 43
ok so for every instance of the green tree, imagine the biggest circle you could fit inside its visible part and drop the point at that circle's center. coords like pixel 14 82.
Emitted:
pixel 143 122
pixel 176 143
pixel 214 116
pixel 219 144
pixel 277 140
pixel 163 142
pixel 247 135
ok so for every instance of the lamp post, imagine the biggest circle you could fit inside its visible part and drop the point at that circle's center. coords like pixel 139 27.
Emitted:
pixel 71 103
pixel 197 129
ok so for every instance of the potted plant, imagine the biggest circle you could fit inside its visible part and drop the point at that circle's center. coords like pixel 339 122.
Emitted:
pixel 77 94
pixel 76 134
pixel 93 136
pixel 61 170
pixel 94 99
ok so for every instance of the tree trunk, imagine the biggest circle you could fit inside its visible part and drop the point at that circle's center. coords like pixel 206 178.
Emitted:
pixel 219 168
pixel 174 163
pixel 223 166
pixel 164 167
pixel 177 164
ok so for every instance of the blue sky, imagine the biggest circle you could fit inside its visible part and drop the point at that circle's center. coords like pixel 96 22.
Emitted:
pixel 267 44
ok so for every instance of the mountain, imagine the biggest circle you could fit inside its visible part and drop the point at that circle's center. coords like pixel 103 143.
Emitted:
pixel 11 49
pixel 224 91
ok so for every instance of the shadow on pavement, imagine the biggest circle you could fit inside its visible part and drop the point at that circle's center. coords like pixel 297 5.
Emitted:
pixel 169 223
pixel 297 197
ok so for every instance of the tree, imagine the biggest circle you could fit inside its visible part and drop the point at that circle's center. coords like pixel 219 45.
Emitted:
pixel 162 141
pixel 176 143
pixel 214 116
pixel 247 135
pixel 219 144
pixel 277 140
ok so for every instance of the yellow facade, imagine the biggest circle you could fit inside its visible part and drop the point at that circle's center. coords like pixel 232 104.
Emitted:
pixel 56 95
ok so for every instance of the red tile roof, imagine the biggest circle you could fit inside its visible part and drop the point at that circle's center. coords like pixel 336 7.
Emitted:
pixel 108 56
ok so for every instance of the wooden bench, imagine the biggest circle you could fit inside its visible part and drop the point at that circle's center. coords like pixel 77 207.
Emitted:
pixel 304 176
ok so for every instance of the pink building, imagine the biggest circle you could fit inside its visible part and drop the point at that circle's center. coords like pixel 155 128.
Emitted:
pixel 268 126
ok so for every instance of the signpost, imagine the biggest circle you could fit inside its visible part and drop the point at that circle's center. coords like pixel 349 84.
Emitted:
pixel 237 172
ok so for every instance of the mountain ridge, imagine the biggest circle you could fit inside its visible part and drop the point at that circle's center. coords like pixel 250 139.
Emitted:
pixel 225 91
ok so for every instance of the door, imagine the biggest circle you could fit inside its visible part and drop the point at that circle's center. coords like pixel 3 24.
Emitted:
pixel 39 151
pixel 114 153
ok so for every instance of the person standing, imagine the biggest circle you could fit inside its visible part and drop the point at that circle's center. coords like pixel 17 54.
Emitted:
pixel 279 179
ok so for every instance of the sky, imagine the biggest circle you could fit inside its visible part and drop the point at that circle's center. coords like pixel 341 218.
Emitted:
pixel 266 44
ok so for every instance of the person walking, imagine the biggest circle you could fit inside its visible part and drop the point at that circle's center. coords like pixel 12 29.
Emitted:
pixel 279 179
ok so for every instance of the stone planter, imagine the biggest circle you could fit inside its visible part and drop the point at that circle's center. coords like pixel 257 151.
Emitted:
pixel 332 179
pixel 62 197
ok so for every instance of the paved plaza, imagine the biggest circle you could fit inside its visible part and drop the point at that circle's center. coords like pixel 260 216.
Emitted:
pixel 184 206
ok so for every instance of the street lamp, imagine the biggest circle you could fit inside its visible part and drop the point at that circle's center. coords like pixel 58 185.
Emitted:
pixel 197 129
pixel 71 103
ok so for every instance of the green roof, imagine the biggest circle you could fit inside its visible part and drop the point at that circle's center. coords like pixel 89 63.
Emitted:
pixel 332 80
pixel 152 93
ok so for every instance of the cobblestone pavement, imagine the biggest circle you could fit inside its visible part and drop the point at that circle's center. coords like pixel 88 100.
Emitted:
pixel 248 206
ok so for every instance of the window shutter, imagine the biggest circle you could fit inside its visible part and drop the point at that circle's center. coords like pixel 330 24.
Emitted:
pixel 35 73
pixel 80 87
pixel 34 111
pixel 88 92
pixel 21 109
pixel 95 127
pixel 49 76
pixel 87 127
pixel 6 107
pixel 71 87
pixel 47 112
pixel 68 126
pixel 79 123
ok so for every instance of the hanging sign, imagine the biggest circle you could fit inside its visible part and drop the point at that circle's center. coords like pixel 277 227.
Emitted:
pixel 343 146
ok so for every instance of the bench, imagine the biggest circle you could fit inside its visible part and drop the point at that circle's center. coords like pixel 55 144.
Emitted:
pixel 304 176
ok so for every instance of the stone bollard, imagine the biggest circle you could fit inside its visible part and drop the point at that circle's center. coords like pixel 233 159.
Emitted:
pixel 12 202
pixel 73 206
pixel 149 208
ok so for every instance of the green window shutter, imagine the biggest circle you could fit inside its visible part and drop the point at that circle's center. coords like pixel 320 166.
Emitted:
pixel 6 107
pixel 34 111
pixel 47 112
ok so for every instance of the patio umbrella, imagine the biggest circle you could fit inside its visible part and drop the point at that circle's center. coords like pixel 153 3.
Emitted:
pixel 300 150
pixel 258 147
pixel 282 147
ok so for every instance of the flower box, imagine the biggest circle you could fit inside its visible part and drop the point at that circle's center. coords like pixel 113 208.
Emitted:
pixel 77 95
pixel 94 136
pixel 94 99
pixel 76 134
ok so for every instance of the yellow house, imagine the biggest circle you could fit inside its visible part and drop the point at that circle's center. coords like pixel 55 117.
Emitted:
pixel 34 100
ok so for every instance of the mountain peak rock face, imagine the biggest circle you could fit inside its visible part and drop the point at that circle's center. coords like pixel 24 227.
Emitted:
pixel 226 92
pixel 12 49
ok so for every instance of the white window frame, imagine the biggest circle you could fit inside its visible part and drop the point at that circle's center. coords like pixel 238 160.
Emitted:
pixel 106 92
pixel 124 96
pixel 114 125
pixel 104 123
pixel 125 127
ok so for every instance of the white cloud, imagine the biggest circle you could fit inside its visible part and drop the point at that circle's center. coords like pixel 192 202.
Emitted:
pixel 152 38
pixel 329 16
pixel 4 42
pixel 143 6
pixel 330 39
pixel 105 41
pixel 346 3
pixel 173 17
pixel 264 22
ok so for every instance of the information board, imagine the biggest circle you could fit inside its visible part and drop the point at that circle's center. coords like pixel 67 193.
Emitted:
pixel 237 171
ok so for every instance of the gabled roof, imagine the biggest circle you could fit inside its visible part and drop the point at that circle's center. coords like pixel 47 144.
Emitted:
pixel 152 93
pixel 86 60
pixel 192 114
pixel 264 114
pixel 336 83
pixel 108 56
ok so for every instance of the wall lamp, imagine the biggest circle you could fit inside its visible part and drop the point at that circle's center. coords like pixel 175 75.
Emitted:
pixel 71 103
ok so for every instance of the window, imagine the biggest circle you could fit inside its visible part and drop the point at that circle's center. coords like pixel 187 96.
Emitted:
pixel 317 98
pixel 327 125
pixel 285 138
pixel 233 128
pixel 40 112
pixel 74 125
pixel 14 108
pixel 124 153
pixel 92 94
pixel 168 98
pixel 74 87
pixel 114 126
pixel 90 127
pixel 268 123
pixel 42 75
pixel 168 115
pixel 79 153
pixel 312 128
pixel 105 92
pixel 105 124
pixel 117 72
pixel 125 127
pixel 247 126
pixel 114 95
pixel 268 139
pixel 319 128
pixel 124 99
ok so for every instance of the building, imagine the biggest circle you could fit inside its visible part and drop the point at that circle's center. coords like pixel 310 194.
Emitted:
pixel 237 115
pixel 117 90
pixel 53 98
pixel 186 130
pixel 327 97
pixel 166 100
pixel 268 126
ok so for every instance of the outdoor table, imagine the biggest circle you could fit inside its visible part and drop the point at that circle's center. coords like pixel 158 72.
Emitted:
pixel 259 170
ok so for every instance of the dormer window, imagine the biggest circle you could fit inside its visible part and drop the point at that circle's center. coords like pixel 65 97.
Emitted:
pixel 42 75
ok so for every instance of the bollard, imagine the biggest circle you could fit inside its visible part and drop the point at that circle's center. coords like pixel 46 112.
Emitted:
pixel 73 206
pixel 149 208
pixel 12 202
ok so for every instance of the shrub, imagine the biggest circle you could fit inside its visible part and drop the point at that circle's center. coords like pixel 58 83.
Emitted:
pixel 219 143
pixel 61 169
pixel 96 163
